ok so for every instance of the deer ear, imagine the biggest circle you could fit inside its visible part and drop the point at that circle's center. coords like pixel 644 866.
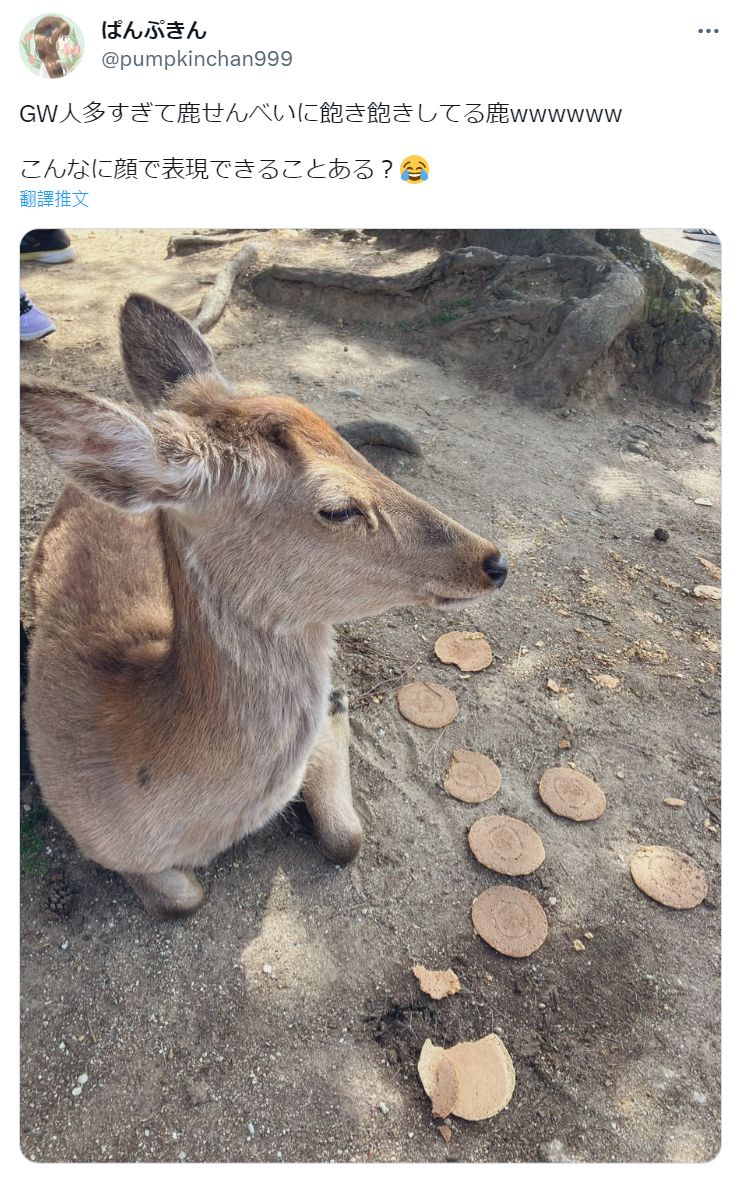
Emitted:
pixel 131 460
pixel 159 349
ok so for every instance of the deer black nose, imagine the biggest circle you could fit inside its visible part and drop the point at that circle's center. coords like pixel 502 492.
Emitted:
pixel 496 568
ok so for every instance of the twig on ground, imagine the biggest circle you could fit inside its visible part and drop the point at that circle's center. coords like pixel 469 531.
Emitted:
pixel 596 617
pixel 386 683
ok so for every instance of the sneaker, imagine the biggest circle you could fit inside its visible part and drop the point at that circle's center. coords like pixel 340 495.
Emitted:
pixel 47 245
pixel 34 324
pixel 702 235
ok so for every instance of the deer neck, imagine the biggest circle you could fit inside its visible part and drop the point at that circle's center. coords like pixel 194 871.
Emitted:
pixel 223 661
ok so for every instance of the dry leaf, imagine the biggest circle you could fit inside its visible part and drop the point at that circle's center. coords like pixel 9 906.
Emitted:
pixel 712 569
pixel 710 593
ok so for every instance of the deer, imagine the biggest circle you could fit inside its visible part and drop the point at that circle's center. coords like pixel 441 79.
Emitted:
pixel 185 590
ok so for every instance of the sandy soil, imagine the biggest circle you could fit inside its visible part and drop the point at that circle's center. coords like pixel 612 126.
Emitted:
pixel 191 1048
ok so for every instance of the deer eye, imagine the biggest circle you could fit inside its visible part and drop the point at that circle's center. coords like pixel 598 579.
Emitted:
pixel 338 515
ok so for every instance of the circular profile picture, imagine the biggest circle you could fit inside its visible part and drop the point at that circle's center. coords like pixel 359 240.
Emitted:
pixel 51 46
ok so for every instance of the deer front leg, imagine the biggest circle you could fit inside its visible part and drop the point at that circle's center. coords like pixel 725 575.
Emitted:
pixel 327 789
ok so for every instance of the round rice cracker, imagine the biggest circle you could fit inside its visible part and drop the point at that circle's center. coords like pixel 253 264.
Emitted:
pixel 472 1080
pixel 469 650
pixel 430 706
pixel 471 776
pixel 506 845
pixel 486 1078
pixel 510 920
pixel 669 876
pixel 571 794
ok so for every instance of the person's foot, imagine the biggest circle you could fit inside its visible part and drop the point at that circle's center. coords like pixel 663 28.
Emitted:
pixel 34 324
pixel 47 245
pixel 702 235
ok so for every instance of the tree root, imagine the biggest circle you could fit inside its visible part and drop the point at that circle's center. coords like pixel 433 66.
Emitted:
pixel 214 301
pixel 192 243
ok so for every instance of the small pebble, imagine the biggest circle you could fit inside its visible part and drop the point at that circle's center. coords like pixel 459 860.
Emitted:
pixel 350 393
pixel 384 1109
pixel 250 1128
pixel 83 1079
pixel 638 446
pixel 77 1090
pixel 578 945
pixel 267 968
pixel 661 534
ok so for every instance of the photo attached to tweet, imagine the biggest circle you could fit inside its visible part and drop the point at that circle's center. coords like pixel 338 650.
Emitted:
pixel 426 503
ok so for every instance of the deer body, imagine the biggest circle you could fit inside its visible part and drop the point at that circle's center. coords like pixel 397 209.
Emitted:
pixel 189 742
pixel 184 591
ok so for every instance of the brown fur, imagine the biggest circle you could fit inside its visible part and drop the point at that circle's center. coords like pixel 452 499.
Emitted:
pixel 185 588
pixel 46 36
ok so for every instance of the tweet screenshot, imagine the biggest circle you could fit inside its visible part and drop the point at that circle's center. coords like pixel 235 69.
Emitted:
pixel 368 500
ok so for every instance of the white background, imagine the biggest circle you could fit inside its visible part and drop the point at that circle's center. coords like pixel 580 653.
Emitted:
pixel 669 162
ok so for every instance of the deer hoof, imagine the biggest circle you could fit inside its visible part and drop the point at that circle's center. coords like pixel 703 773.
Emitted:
pixel 342 847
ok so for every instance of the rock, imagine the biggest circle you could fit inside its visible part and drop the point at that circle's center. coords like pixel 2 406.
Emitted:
pixel 702 436
pixel 707 593
pixel 384 1109
pixel 350 394
pixel 661 534
pixel 638 446
pixel 703 501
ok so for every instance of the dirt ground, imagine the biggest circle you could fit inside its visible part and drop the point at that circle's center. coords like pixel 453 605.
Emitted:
pixel 192 1049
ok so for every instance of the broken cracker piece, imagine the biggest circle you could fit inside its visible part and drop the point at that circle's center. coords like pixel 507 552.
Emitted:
pixel 468 650
pixel 471 777
pixel 430 706
pixel 482 1071
pixel 439 984
pixel 439 1079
